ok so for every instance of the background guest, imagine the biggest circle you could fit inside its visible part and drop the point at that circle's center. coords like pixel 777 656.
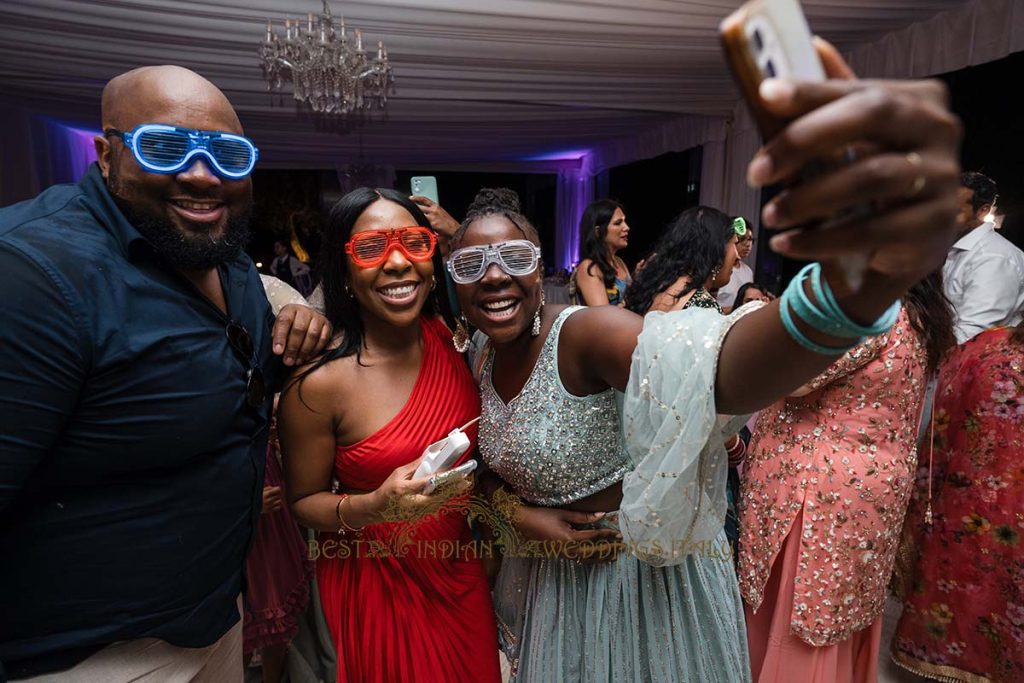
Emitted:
pixel 963 616
pixel 750 291
pixel 694 255
pixel 278 571
pixel 984 273
pixel 741 272
pixel 601 277
pixel 698 246
pixel 287 268
pixel 825 487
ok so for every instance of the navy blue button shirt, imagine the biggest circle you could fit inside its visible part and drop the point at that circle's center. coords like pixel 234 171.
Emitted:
pixel 131 468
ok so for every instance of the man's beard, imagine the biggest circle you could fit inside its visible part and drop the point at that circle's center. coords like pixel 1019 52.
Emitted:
pixel 180 250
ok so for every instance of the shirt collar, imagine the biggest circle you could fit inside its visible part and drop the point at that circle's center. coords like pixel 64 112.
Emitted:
pixel 94 187
pixel 971 239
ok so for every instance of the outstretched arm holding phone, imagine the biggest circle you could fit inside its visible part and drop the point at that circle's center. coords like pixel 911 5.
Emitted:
pixel 907 168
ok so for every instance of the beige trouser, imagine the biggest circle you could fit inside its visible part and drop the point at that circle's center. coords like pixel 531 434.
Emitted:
pixel 149 660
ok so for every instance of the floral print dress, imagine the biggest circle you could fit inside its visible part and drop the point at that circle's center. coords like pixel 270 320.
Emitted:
pixel 963 617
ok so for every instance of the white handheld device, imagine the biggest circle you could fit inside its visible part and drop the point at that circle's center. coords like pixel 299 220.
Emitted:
pixel 443 478
pixel 771 39
pixel 442 454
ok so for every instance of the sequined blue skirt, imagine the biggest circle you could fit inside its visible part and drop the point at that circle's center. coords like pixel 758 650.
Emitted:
pixel 623 621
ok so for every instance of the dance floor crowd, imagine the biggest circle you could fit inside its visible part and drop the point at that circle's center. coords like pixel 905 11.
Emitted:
pixel 680 475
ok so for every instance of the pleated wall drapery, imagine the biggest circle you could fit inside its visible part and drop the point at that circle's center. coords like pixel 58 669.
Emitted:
pixel 723 178
pixel 575 189
pixel 38 152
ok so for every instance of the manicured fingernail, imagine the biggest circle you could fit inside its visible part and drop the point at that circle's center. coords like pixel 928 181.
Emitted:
pixel 759 171
pixel 776 90
pixel 770 215
pixel 598 515
pixel 289 360
pixel 278 348
pixel 780 243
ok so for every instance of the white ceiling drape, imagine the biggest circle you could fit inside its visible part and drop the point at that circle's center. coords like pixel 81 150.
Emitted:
pixel 566 86
pixel 980 31
pixel 484 81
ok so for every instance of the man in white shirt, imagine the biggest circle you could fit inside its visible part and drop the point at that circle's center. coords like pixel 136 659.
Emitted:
pixel 984 272
pixel 741 273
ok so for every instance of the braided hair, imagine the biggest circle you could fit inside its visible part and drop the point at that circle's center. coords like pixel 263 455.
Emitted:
pixel 496 201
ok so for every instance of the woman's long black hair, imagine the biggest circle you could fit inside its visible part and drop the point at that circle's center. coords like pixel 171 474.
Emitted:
pixel 340 307
pixel 593 230
pixel 931 316
pixel 693 245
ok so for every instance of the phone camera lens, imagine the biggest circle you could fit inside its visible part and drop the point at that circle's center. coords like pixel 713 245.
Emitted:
pixel 758 40
pixel 769 69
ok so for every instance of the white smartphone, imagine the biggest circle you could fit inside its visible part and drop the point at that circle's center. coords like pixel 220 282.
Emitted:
pixel 425 186
pixel 444 477
pixel 771 39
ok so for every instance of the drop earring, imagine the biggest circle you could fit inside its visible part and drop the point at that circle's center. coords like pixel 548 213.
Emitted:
pixel 460 338
pixel 535 331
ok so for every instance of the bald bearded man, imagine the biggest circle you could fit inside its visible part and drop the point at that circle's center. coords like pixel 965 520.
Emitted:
pixel 136 380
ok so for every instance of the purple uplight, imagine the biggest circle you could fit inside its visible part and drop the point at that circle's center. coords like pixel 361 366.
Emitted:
pixel 575 192
pixel 563 155
pixel 71 150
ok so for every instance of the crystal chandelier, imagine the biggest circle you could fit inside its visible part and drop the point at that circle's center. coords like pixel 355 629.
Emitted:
pixel 330 72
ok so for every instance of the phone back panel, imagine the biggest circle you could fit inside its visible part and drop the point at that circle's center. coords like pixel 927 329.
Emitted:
pixel 425 186
pixel 769 39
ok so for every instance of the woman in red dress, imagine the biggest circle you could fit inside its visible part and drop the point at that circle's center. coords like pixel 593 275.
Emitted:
pixel 963 615
pixel 403 599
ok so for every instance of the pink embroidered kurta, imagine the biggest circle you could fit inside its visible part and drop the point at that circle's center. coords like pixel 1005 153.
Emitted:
pixel 844 454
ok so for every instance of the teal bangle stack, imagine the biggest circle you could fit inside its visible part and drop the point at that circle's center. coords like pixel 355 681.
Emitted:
pixel 826 316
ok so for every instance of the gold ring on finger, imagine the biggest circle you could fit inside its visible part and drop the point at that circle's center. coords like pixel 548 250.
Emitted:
pixel 915 160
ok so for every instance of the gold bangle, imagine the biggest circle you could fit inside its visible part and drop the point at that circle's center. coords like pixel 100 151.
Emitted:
pixel 345 526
